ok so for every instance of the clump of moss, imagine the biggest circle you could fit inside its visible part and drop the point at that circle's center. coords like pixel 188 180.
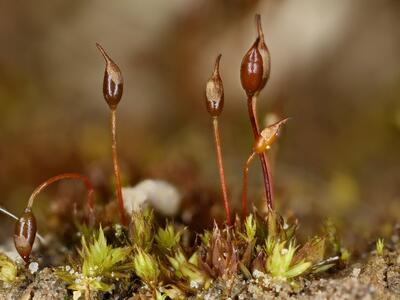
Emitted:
pixel 166 267
pixel 100 264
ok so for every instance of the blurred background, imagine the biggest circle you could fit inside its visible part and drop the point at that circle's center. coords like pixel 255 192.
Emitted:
pixel 335 71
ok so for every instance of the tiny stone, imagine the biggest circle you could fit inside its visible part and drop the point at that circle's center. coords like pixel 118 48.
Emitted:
pixel 194 284
pixel 33 267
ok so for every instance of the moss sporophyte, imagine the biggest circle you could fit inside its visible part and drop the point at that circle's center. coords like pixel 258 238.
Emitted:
pixel 113 85
pixel 254 74
pixel 25 227
pixel 215 104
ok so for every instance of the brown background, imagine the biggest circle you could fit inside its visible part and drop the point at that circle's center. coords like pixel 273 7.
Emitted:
pixel 335 70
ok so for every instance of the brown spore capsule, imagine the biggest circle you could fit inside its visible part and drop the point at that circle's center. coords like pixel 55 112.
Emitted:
pixel 24 234
pixel 251 71
pixel 256 64
pixel 215 91
pixel 113 82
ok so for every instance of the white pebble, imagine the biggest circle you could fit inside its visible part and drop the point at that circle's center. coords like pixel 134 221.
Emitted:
pixel 33 267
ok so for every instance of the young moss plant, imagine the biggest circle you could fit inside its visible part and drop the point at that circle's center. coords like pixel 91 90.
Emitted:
pixel 188 269
pixel 380 246
pixel 215 104
pixel 280 263
pixel 113 85
pixel 266 138
pixel 254 74
pixel 146 267
pixel 100 264
pixel 168 239
pixel 25 227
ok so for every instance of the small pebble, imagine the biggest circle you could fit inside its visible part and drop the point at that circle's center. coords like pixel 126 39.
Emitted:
pixel 33 267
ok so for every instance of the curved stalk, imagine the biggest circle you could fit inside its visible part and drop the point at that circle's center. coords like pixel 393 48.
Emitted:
pixel 252 109
pixel 116 168
pixel 84 179
pixel 244 189
pixel 221 170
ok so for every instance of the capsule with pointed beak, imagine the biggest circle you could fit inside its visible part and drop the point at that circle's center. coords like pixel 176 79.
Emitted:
pixel 256 64
pixel 113 82
pixel 215 91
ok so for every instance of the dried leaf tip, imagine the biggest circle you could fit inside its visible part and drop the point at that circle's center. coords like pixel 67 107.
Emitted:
pixel 113 80
pixel 256 64
pixel 215 91
pixel 268 136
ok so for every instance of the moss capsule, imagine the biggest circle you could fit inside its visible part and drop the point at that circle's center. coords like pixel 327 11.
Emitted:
pixel 256 64
pixel 215 91
pixel 24 234
pixel 113 82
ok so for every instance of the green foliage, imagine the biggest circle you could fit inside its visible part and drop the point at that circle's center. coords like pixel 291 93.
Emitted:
pixel 280 263
pixel 146 267
pixel 188 269
pixel 205 238
pixel 250 227
pixel 345 254
pixel 8 269
pixel 380 245
pixel 269 245
pixel 100 263
pixel 99 259
pixel 167 239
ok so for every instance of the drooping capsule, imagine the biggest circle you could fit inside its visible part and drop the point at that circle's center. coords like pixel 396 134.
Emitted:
pixel 256 64
pixel 268 136
pixel 24 234
pixel 113 82
pixel 215 91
